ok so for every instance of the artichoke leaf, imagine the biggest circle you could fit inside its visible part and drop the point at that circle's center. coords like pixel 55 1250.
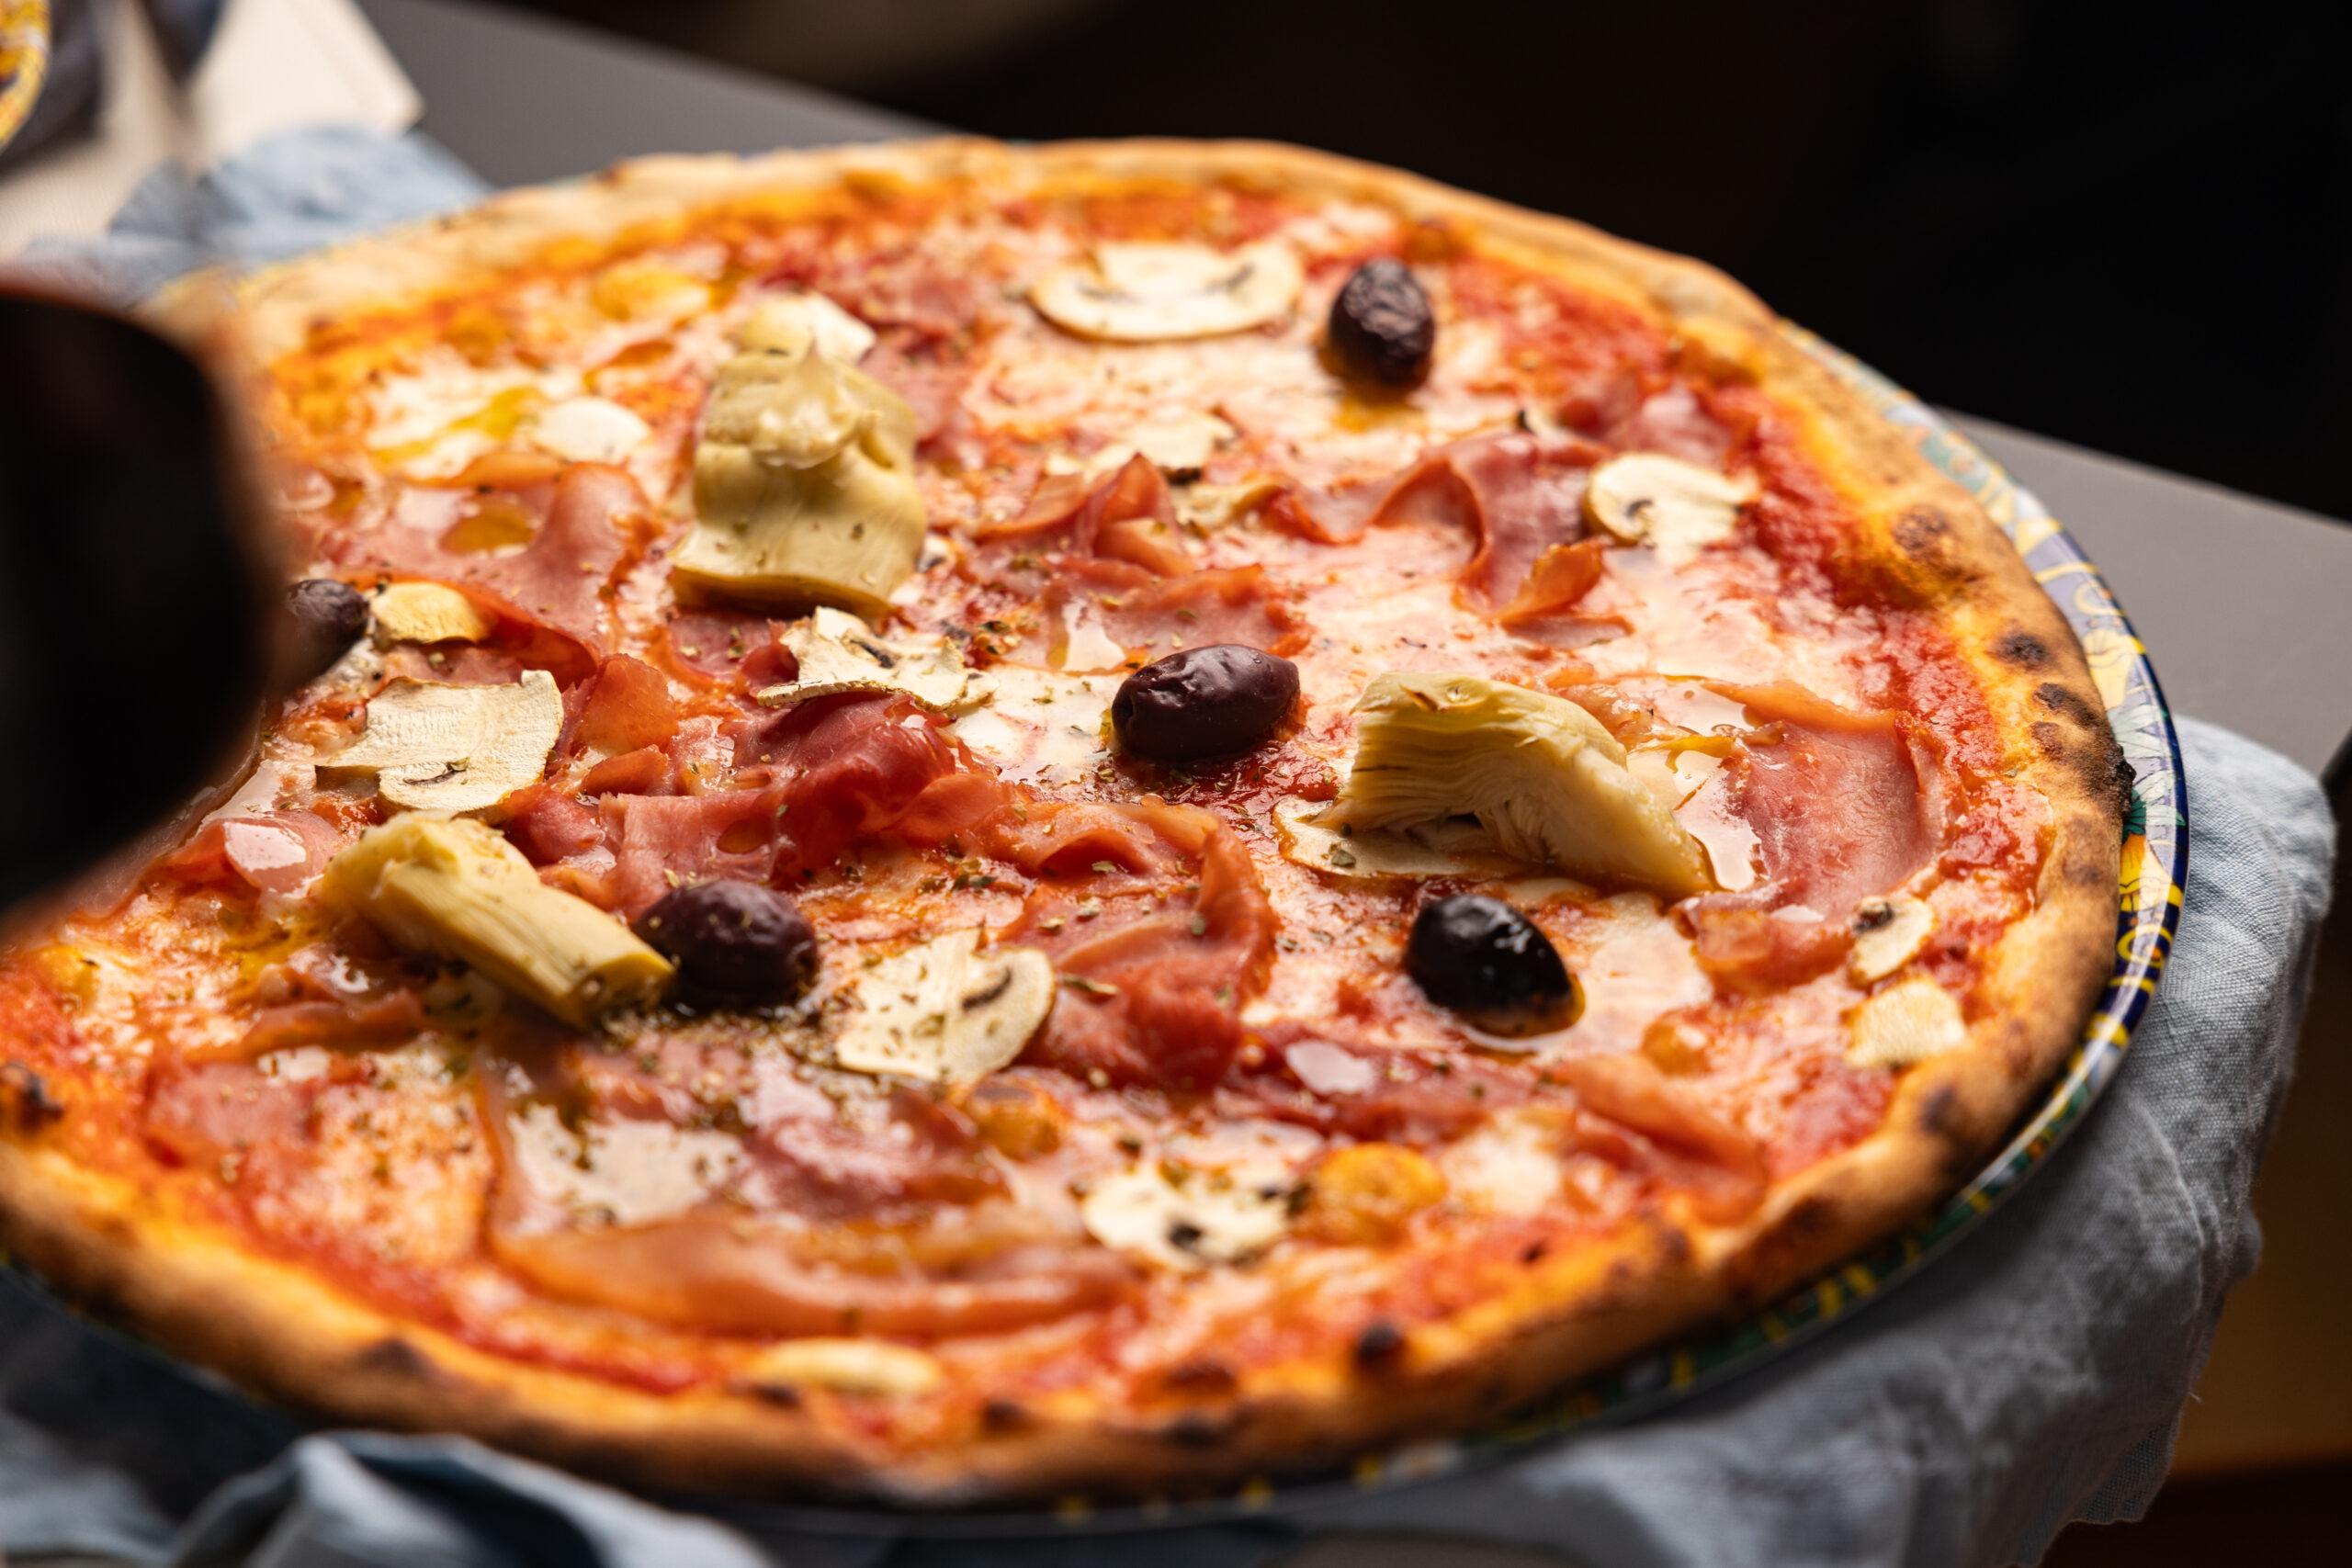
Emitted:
pixel 1545 780
pixel 804 480
pixel 454 888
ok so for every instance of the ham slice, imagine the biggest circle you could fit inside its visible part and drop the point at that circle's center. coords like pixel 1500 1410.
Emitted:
pixel 895 1230
pixel 1840 807
pixel 1127 517
pixel 276 851
pixel 583 528
pixel 1518 495
pixel 1156 912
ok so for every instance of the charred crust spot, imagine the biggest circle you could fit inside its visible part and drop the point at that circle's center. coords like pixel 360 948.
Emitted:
pixel 1940 1115
pixel 1675 1244
pixel 1002 1416
pixel 1921 532
pixel 2099 763
pixel 25 1100
pixel 1195 1430
pixel 2021 648
pixel 1380 1346
pixel 2087 863
pixel 1200 1378
pixel 2064 699
pixel 393 1357
pixel 2120 779
pixel 1533 1252
pixel 782 1394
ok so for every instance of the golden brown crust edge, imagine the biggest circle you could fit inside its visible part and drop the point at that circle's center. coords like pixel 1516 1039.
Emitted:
pixel 285 1333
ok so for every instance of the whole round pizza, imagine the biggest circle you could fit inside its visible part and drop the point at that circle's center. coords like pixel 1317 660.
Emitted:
pixel 962 822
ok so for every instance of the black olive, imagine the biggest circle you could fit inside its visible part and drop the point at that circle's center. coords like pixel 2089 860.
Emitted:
pixel 1204 702
pixel 1382 328
pixel 1484 960
pixel 735 942
pixel 327 617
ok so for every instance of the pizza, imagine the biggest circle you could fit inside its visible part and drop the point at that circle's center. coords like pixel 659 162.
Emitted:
pixel 967 822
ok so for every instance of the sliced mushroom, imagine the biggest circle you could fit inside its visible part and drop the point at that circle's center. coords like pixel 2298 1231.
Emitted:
pixel 804 480
pixel 839 336
pixel 1904 1025
pixel 436 748
pixel 455 889
pixel 1677 508
pixel 1887 934
pixel 838 653
pixel 848 1365
pixel 945 1011
pixel 426 611
pixel 1149 293
pixel 590 430
pixel 1187 1220
pixel 1541 776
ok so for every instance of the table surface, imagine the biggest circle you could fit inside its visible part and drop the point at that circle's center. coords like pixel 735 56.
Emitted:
pixel 2239 602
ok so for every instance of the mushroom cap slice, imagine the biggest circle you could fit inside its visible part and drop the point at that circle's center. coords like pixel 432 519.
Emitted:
pixel 804 480
pixel 1208 1217
pixel 1907 1023
pixel 849 1366
pixel 1155 293
pixel 839 336
pixel 1541 776
pixel 1677 508
pixel 454 888
pixel 838 653
pixel 946 1012
pixel 436 748
pixel 426 611
pixel 1888 933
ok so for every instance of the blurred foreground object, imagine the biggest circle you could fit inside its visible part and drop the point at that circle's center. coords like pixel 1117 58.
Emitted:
pixel 135 617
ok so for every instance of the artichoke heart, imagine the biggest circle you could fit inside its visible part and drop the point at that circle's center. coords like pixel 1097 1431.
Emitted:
pixel 454 888
pixel 1546 783
pixel 804 480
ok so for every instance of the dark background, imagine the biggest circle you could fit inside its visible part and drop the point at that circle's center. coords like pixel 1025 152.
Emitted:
pixel 2121 225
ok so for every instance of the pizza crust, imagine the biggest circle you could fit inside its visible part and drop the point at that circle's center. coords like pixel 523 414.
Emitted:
pixel 287 1335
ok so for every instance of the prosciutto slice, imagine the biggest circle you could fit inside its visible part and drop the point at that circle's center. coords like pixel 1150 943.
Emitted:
pixel 582 526
pixel 1156 912
pixel 1127 517
pixel 1840 807
pixel 882 1203
pixel 1519 496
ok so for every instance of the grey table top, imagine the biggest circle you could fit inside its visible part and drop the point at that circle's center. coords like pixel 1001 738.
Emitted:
pixel 2242 604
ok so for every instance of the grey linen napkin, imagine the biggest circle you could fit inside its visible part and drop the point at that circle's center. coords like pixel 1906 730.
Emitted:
pixel 2033 1376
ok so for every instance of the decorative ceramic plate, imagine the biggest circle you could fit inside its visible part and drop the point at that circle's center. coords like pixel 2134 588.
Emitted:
pixel 2155 851
pixel 24 61
pixel 2155 864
